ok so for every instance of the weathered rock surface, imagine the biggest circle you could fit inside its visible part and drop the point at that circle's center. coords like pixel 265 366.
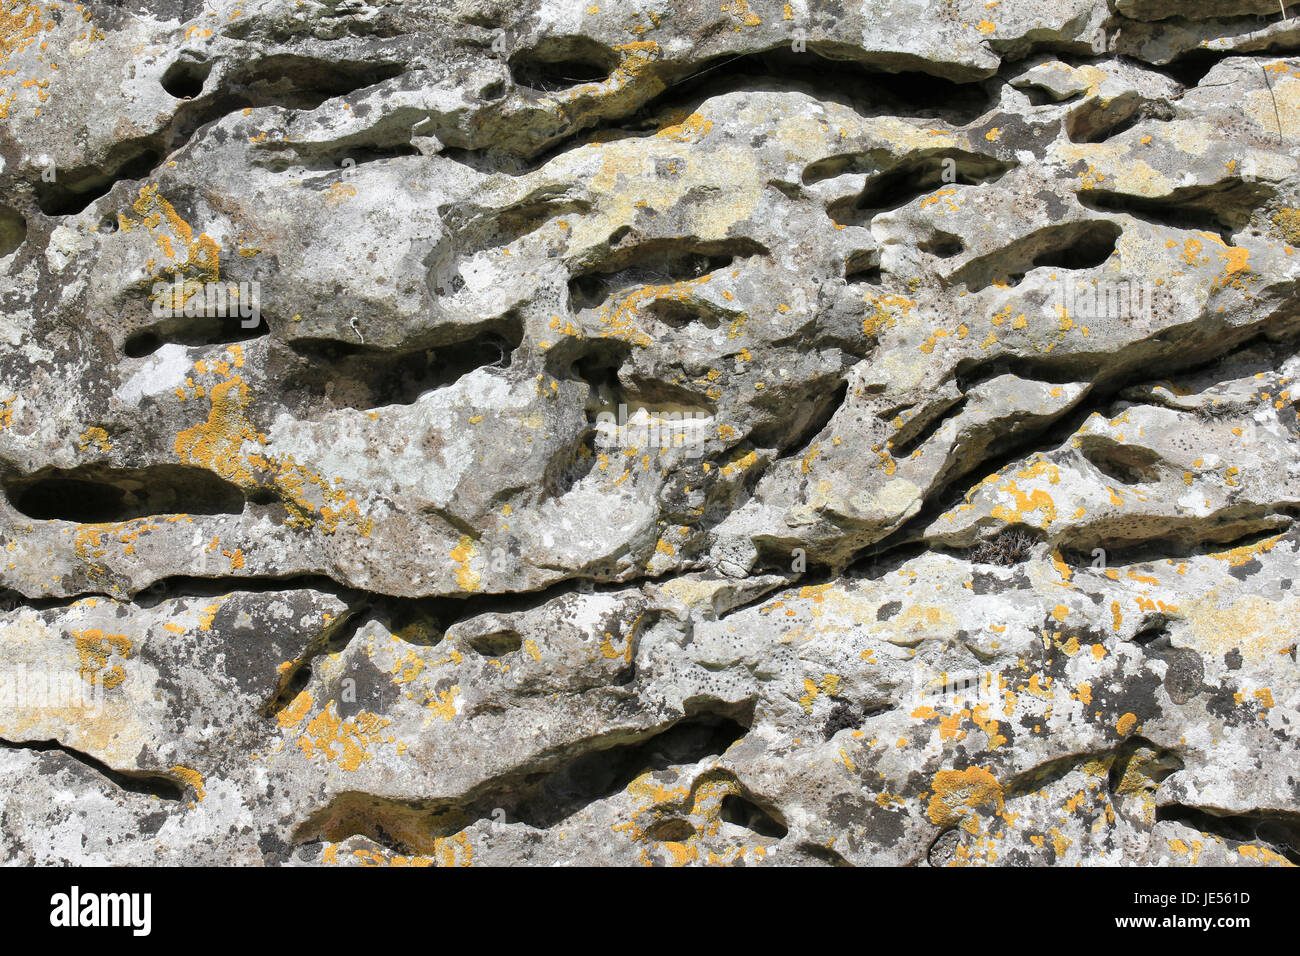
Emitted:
pixel 978 544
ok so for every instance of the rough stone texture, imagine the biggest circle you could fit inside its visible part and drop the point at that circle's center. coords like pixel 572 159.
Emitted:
pixel 960 572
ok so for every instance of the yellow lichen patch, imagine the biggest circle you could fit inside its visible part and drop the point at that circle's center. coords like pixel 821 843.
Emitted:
pixel 20 26
pixel 928 345
pixel 296 711
pixel 97 437
pixel 444 705
pixel 1288 221
pixel 989 726
pixel 1063 569
pixel 193 779
pixel 1236 557
pixel 635 57
pixel 307 494
pixel 740 461
pixel 466 578
pixel 884 312
pixel 1263 854
pixel 339 192
pixel 202 255
pixel 208 614
pixel 687 129
pixel 1125 725
pixel 1026 504
pixel 343 742
pixel 610 652
pixel 407 668
pixel 620 316
pixel 958 792
pixel 94 648
pixel 830 685
pixel 216 443
pixel 937 196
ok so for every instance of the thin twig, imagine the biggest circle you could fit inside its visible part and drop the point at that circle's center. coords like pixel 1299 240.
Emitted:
pixel 1276 114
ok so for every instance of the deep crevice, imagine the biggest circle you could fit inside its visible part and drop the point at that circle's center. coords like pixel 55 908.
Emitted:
pixel 1127 464
pixel 287 80
pixel 150 784
pixel 1222 209
pixel 95 494
pixel 328 374
pixel 563 784
pixel 1101 119
pixel 1112 374
pixel 655 262
pixel 921 429
pixel 808 419
pixel 1280 829
pixel 914 176
pixel 195 331
pixel 825 70
pixel 1072 245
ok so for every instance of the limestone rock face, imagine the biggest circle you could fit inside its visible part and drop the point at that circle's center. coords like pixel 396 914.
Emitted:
pixel 545 432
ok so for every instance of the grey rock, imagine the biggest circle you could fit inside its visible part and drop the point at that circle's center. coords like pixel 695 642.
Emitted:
pixel 551 433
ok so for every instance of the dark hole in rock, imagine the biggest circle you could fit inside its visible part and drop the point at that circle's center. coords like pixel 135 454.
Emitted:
pixel 944 245
pixel 675 830
pixel 351 375
pixel 199 330
pixel 497 643
pixel 1089 246
pixel 745 813
pixel 1127 464
pixel 184 79
pixel 73 190
pixel 94 495
pixel 561 62
pixel 149 784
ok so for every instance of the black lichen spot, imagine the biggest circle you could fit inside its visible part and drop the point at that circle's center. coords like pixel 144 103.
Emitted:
pixel 888 610
pixel 151 823
pixel 1183 679
pixel 362 687
pixel 841 718
pixel 1243 571
pixel 274 850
